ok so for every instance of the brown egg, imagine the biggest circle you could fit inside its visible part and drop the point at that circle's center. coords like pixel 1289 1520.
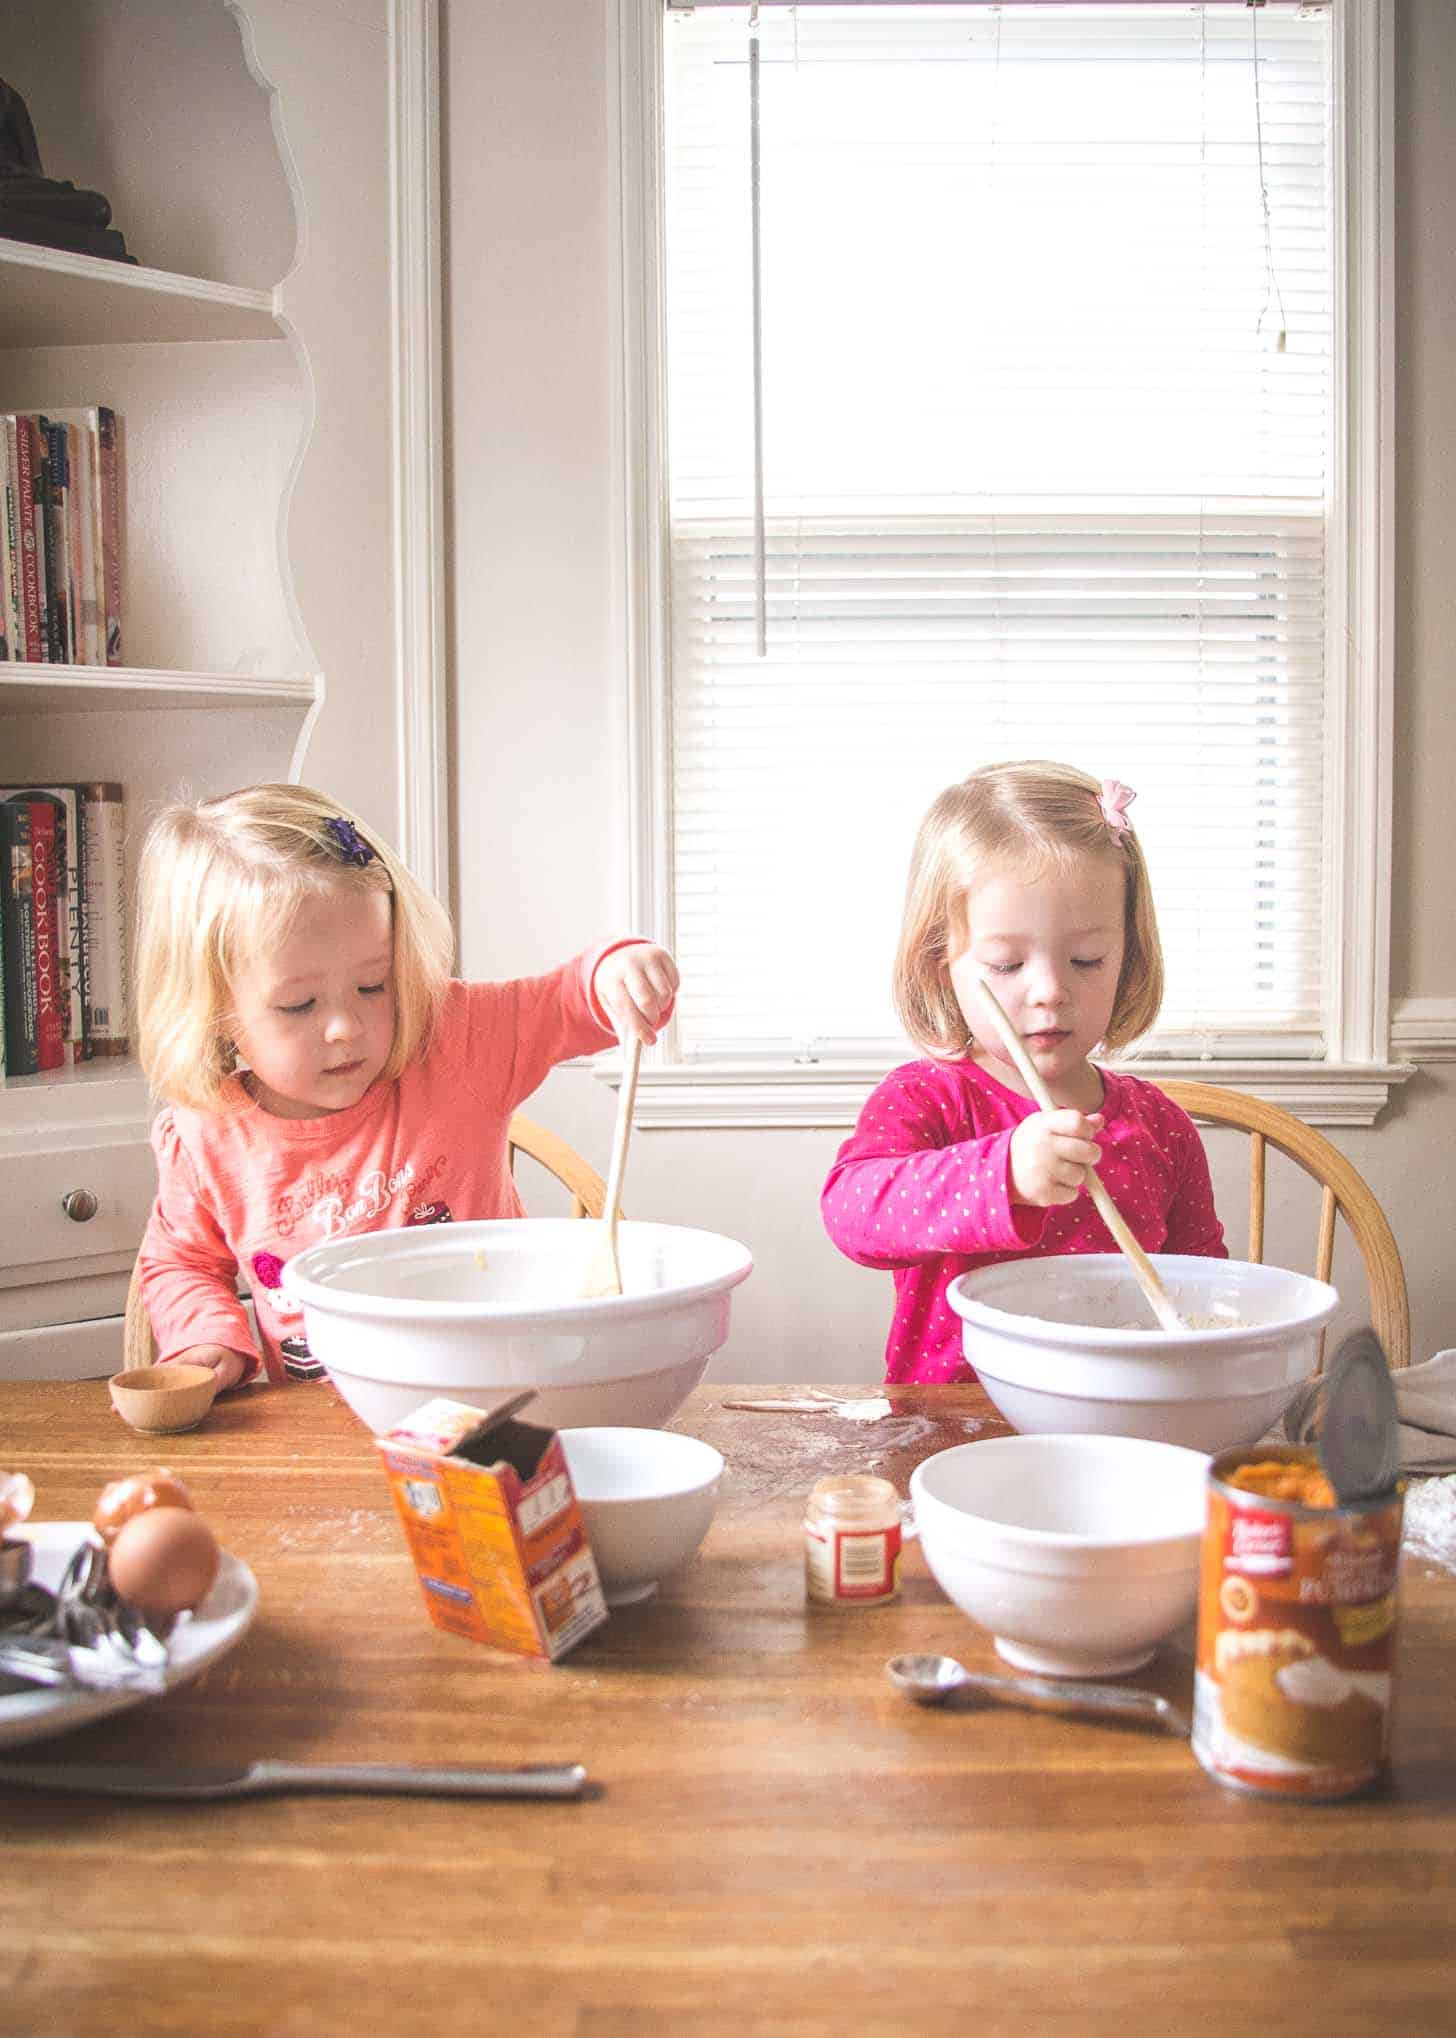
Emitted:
pixel 163 1562
pixel 132 1495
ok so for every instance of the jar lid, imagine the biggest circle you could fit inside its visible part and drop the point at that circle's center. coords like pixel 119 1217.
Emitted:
pixel 854 1493
pixel 1359 1440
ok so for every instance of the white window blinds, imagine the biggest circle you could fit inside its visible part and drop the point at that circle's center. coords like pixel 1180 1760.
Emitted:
pixel 1046 387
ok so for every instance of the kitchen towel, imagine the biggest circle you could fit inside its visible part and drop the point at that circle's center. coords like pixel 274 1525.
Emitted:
pixel 1425 1399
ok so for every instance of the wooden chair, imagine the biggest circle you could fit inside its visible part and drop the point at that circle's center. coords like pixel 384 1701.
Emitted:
pixel 588 1198
pixel 1344 1192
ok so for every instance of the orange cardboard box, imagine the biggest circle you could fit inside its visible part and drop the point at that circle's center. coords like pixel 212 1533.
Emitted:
pixel 493 1525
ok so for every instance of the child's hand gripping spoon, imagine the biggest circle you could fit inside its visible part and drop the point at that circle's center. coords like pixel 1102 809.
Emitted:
pixel 1149 1280
pixel 604 1269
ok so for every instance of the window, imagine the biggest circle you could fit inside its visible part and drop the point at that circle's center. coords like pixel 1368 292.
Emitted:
pixel 1038 336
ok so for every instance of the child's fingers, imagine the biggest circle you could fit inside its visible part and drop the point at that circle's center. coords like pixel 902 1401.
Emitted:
pixel 654 984
pixel 661 972
pixel 627 1016
pixel 650 994
pixel 630 1022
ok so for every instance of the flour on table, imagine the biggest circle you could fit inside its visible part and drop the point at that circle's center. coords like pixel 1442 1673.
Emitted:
pixel 1430 1520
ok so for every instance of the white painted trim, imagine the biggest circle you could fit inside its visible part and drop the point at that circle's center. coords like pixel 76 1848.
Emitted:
pixel 1359 641
pixel 419 487
pixel 756 1096
pixel 180 307
pixel 1352 1085
pixel 639 527
pixel 1424 1029
pixel 72 689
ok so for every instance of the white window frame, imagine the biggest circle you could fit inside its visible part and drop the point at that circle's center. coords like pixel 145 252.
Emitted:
pixel 1352 1082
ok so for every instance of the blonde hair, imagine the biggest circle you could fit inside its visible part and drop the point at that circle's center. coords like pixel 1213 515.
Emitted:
pixel 220 882
pixel 1035 816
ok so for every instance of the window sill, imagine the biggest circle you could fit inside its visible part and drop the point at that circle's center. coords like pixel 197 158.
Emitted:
pixel 751 1096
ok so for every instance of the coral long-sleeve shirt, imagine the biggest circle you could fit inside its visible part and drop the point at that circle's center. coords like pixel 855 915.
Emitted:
pixel 241 1190
pixel 923 1187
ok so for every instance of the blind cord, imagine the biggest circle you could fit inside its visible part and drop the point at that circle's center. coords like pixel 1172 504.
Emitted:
pixel 760 560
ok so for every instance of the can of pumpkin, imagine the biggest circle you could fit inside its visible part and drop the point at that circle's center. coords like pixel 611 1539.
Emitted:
pixel 1296 1628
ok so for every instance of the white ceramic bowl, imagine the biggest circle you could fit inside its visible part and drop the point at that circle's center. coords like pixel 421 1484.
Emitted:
pixel 1079 1553
pixel 1050 1341
pixel 647 1497
pixel 473 1311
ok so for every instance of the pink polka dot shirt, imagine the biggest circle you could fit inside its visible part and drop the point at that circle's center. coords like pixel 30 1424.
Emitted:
pixel 923 1187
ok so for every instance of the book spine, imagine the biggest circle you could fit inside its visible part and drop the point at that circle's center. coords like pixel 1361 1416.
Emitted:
pixel 110 444
pixel 78 914
pixel 83 482
pixel 7 622
pixel 12 541
pixel 30 558
pixel 46 916
pixel 105 881
pixel 70 903
pixel 97 566
pixel 58 542
pixel 76 546
pixel 17 930
pixel 45 540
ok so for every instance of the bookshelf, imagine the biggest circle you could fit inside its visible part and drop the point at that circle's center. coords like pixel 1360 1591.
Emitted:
pixel 253 355
pixel 56 299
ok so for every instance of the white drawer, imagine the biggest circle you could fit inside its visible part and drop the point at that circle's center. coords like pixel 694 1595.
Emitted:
pixel 68 1351
pixel 34 1227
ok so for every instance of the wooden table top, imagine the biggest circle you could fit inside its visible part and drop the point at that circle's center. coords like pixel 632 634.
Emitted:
pixel 781 1844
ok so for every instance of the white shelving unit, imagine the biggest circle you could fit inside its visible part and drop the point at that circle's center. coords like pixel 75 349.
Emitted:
pixel 56 299
pixel 262 457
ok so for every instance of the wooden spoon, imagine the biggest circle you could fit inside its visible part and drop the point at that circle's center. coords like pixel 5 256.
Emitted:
pixel 604 1269
pixel 1149 1280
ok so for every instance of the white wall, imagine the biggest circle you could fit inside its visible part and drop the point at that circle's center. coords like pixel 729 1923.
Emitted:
pixel 528 292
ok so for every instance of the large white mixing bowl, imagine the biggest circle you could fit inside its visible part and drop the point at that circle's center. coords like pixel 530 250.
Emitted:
pixel 474 1311
pixel 1051 1342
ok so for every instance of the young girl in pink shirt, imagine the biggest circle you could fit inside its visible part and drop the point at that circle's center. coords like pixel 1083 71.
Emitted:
pixel 322 1071
pixel 1030 877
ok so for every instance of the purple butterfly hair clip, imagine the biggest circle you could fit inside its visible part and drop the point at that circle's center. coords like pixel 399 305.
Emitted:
pixel 349 842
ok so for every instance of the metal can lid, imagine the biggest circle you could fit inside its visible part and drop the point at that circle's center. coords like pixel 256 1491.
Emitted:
pixel 1359 1433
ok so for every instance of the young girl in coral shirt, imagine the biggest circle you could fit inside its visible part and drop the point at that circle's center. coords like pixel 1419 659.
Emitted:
pixel 322 1071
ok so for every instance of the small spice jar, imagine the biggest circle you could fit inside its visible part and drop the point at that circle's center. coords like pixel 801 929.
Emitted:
pixel 852 1542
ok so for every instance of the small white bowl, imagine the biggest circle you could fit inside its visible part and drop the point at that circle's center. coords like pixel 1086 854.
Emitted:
pixel 1069 1344
pixel 647 1497
pixel 1079 1553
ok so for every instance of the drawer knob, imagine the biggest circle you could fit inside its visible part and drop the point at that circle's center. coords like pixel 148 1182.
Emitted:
pixel 79 1205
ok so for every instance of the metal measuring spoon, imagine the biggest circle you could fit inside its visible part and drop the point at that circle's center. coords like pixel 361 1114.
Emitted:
pixel 930 1680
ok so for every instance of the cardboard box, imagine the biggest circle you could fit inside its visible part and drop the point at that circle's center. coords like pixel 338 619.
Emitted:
pixel 492 1522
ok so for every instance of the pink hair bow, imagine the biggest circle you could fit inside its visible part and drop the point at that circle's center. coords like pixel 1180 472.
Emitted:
pixel 1114 800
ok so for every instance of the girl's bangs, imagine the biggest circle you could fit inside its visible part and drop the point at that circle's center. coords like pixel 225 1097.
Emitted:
pixel 262 904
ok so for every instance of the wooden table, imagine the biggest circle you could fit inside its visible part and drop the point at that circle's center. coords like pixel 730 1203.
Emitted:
pixel 782 1844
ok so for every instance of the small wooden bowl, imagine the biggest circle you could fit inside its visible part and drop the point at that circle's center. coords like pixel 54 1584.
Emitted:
pixel 164 1398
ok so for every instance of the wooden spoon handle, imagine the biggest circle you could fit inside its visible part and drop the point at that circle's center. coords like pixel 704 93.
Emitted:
pixel 626 1098
pixel 1149 1280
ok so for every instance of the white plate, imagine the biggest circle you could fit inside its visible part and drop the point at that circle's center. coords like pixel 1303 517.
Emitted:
pixel 221 1620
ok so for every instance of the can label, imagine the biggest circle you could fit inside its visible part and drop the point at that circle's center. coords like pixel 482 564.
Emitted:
pixel 1296 1637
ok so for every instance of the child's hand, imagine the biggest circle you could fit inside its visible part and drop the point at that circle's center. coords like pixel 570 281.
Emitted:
pixel 637 985
pixel 229 1366
pixel 1050 1154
